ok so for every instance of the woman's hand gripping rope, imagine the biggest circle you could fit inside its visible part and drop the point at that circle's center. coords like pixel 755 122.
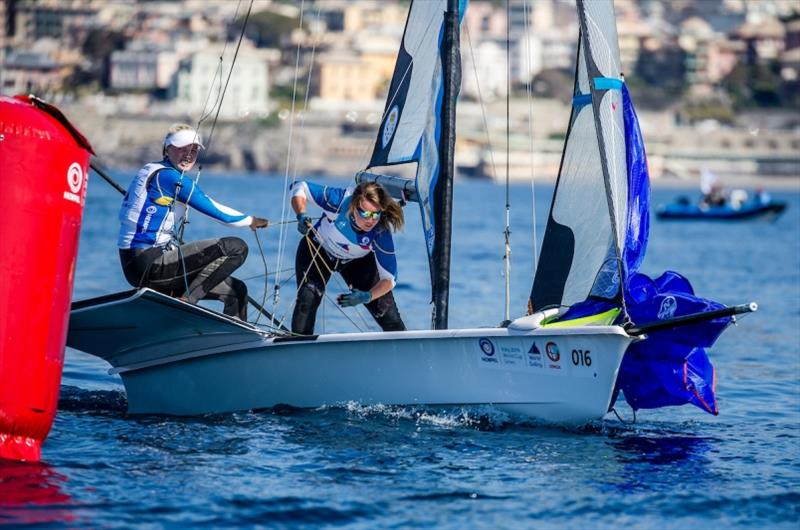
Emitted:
pixel 258 222
pixel 304 222
pixel 354 298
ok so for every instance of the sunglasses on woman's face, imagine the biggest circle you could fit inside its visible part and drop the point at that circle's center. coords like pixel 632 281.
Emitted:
pixel 366 214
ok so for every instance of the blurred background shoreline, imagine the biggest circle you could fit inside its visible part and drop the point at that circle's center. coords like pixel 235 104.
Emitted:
pixel 716 82
pixel 323 144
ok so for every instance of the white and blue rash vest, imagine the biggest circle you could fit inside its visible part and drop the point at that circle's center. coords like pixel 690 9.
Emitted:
pixel 156 196
pixel 338 235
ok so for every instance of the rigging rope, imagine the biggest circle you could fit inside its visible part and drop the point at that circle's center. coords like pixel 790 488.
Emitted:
pixel 315 263
pixel 482 104
pixel 282 235
pixel 221 90
pixel 290 167
pixel 266 275
pixel 529 92
pixel 179 231
pixel 507 231
pixel 230 73
pixel 204 115
pixel 626 422
pixel 217 75
pixel 218 104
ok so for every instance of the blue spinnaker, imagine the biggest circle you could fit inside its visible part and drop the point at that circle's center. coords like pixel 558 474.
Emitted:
pixel 669 367
pixel 638 227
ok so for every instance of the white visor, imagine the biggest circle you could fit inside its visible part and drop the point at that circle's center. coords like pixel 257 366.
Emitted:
pixel 183 138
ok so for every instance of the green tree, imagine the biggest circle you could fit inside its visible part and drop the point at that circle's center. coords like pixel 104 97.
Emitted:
pixel 755 85
pixel 554 83
pixel 282 94
pixel 658 76
pixel 97 49
pixel 265 28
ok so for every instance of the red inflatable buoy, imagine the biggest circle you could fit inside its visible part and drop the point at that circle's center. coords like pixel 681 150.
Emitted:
pixel 44 165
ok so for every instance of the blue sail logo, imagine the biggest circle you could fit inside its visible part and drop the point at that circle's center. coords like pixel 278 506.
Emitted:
pixel 390 125
pixel 668 307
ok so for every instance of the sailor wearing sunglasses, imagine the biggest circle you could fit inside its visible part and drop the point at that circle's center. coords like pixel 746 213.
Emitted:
pixel 353 237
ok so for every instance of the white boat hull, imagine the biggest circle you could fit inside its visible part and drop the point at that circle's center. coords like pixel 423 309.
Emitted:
pixel 401 368
pixel 509 369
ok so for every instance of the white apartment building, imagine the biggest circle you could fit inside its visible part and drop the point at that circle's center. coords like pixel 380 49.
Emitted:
pixel 201 79
pixel 144 66
pixel 484 72
pixel 143 69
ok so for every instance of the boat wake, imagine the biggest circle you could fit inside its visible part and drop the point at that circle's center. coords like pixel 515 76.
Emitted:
pixel 483 418
pixel 480 417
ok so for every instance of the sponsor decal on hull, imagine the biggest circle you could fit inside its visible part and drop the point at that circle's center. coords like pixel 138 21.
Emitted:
pixel 553 356
pixel 487 349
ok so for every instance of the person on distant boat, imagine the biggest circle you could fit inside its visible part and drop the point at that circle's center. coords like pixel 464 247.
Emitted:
pixel 713 192
pixel 763 195
pixel 353 237
pixel 738 198
pixel 149 255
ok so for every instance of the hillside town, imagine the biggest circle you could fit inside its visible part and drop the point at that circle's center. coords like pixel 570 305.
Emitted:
pixel 123 70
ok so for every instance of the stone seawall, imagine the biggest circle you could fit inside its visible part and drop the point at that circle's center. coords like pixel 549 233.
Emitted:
pixel 324 145
pixel 130 141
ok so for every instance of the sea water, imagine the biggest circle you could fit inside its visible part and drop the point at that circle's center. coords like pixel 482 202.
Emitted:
pixel 352 466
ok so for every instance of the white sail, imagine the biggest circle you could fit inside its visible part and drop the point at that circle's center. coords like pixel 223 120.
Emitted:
pixel 410 129
pixel 589 204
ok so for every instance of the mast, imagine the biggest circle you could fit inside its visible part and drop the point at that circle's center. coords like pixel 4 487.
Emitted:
pixel 443 195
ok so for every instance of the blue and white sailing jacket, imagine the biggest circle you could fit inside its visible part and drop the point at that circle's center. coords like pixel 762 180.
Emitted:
pixel 337 232
pixel 156 196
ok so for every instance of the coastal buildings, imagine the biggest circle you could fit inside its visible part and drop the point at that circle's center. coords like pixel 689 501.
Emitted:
pixel 167 60
pixel 138 46
pixel 203 77
pixel 143 68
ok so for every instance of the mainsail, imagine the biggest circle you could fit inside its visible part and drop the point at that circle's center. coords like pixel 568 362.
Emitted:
pixel 592 191
pixel 415 124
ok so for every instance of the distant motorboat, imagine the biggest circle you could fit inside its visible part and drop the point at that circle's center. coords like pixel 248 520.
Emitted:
pixel 758 206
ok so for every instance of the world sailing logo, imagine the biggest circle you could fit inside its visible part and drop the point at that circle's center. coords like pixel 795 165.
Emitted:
pixel 390 125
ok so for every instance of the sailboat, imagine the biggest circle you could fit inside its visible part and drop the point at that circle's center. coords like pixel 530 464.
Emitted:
pixel 592 320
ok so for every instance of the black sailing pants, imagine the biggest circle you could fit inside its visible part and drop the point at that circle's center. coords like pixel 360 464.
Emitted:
pixel 313 275
pixel 206 266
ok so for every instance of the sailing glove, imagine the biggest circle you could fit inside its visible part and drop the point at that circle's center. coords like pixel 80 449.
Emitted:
pixel 303 223
pixel 355 297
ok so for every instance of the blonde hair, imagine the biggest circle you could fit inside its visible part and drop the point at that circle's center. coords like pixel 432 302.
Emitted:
pixel 175 127
pixel 392 216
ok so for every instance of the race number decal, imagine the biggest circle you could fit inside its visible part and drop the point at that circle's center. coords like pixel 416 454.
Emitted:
pixel 583 364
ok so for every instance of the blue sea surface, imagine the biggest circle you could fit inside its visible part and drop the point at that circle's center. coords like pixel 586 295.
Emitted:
pixel 352 466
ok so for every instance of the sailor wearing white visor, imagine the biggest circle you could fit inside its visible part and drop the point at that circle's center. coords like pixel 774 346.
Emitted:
pixel 158 195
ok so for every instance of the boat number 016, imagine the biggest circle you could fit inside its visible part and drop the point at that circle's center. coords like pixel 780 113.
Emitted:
pixel 581 358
